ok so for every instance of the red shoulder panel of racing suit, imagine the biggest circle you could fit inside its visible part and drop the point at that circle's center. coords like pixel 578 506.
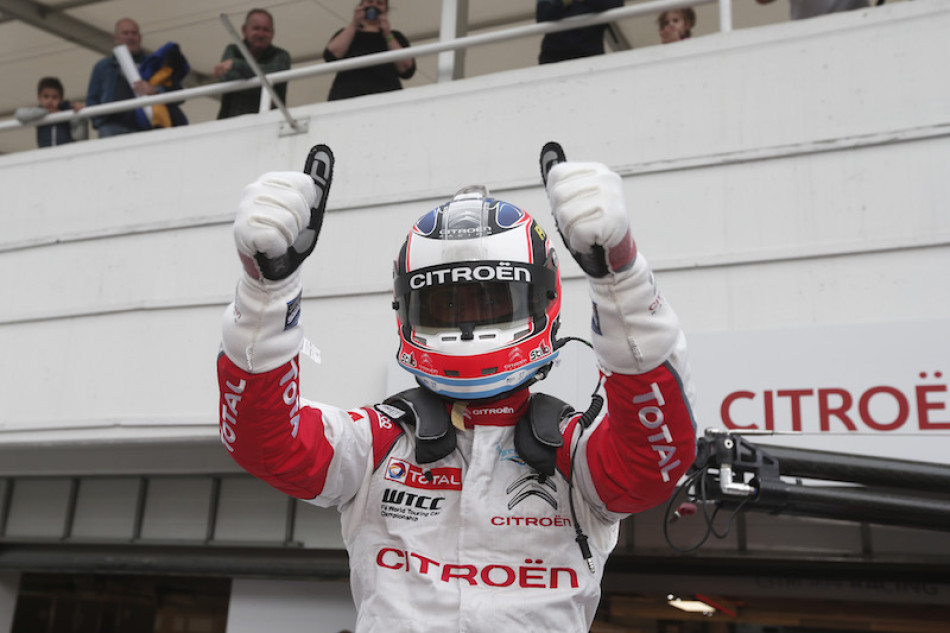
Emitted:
pixel 276 440
pixel 644 444
pixel 385 433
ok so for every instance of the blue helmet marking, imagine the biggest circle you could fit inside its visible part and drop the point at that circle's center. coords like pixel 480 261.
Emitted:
pixel 507 214
pixel 477 388
pixel 427 223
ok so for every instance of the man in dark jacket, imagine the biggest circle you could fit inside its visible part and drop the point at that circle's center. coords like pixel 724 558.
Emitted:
pixel 258 32
pixel 107 84
pixel 583 42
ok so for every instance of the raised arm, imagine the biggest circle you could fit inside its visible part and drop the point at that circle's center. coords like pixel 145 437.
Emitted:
pixel 636 453
pixel 312 452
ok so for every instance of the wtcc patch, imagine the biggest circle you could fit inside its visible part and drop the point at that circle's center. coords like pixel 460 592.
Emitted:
pixel 402 472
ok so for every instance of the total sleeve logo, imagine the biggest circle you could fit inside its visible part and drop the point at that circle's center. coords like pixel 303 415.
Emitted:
pixel 401 471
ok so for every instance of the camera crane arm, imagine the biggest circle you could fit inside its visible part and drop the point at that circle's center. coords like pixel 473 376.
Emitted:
pixel 732 473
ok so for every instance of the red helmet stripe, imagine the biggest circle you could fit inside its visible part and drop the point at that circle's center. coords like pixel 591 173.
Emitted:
pixel 527 234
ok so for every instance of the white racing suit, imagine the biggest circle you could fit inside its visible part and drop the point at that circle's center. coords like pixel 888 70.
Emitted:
pixel 476 541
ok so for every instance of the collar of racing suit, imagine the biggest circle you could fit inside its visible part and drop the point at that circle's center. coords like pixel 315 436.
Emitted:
pixel 536 419
pixel 504 412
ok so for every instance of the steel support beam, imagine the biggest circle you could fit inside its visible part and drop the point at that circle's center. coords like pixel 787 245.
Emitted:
pixel 59 24
pixel 52 20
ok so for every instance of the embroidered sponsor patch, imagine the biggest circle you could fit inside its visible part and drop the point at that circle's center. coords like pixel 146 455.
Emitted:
pixel 401 471
pixel 293 313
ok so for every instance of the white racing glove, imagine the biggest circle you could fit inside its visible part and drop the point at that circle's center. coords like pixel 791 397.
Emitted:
pixel 276 228
pixel 634 329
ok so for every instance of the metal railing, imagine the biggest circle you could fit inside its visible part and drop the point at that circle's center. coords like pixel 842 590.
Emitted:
pixel 352 63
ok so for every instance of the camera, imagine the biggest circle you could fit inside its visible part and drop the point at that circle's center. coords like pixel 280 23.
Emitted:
pixel 371 13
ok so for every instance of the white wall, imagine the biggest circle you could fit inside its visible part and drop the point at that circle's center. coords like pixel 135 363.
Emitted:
pixel 787 176
pixel 290 606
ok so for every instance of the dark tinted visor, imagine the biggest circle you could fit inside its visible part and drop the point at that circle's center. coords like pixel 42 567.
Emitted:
pixel 450 304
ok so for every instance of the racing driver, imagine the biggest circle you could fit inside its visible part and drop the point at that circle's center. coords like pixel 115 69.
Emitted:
pixel 468 503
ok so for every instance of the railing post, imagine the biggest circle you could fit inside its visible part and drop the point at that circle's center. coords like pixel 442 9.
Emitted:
pixel 454 25
pixel 265 102
pixel 725 16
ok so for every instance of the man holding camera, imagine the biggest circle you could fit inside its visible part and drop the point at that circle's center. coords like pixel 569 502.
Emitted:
pixel 368 32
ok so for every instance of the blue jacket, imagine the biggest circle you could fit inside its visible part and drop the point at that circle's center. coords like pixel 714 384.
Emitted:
pixel 57 133
pixel 106 84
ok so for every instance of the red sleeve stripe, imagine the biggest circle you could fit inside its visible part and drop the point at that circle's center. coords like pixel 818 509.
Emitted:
pixel 645 443
pixel 268 433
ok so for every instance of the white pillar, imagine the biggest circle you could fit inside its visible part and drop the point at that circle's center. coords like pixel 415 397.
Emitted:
pixel 725 16
pixel 454 24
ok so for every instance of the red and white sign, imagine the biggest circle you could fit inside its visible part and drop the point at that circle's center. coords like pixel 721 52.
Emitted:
pixel 872 389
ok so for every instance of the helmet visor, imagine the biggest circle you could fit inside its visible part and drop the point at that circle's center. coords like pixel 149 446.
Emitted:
pixel 475 295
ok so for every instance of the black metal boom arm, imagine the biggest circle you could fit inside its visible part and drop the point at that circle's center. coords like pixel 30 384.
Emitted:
pixel 732 473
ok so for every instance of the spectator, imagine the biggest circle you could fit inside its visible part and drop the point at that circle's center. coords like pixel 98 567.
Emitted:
pixel 801 9
pixel 258 32
pixel 368 32
pixel 107 84
pixel 676 24
pixel 49 92
pixel 583 42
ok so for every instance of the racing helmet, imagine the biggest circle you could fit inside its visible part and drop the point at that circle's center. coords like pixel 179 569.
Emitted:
pixel 477 294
